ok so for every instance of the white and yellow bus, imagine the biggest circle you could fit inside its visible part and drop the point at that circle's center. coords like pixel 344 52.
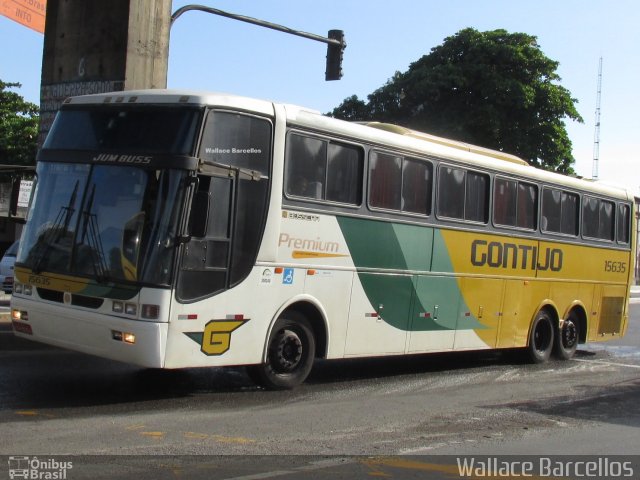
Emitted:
pixel 178 229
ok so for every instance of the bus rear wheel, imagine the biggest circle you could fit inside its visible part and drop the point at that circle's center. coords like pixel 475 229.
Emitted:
pixel 290 354
pixel 566 342
pixel 541 338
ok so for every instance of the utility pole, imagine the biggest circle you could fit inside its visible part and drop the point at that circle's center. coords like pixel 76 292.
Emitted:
pixel 596 136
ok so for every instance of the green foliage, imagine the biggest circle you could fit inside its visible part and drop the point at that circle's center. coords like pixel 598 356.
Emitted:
pixel 494 89
pixel 18 127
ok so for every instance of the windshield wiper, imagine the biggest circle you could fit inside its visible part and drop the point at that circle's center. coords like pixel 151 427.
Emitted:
pixel 91 233
pixel 55 232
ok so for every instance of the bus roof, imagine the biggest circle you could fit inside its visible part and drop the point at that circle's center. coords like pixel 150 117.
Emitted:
pixel 175 97
pixel 446 141
pixel 376 133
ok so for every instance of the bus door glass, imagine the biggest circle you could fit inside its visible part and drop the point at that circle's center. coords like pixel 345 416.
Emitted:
pixel 236 160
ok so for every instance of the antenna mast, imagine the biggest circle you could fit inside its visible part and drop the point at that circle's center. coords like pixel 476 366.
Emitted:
pixel 596 136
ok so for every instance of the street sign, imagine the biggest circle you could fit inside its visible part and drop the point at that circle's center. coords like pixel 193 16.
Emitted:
pixel 25 193
pixel 29 13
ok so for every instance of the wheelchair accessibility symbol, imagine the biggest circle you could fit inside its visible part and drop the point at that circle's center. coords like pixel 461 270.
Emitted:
pixel 287 277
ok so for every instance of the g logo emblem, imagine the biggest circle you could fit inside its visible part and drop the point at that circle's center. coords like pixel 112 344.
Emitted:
pixel 216 338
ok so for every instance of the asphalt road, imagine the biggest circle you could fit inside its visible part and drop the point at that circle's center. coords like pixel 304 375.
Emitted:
pixel 352 418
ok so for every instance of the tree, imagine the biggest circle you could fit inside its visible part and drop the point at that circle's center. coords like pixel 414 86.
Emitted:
pixel 494 89
pixel 18 127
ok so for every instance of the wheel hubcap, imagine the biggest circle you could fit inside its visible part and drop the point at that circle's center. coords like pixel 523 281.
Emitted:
pixel 569 334
pixel 287 351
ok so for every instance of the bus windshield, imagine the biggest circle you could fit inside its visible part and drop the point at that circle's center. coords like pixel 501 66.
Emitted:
pixel 107 222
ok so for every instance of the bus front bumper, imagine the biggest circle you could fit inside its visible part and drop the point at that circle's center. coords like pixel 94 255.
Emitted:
pixel 131 341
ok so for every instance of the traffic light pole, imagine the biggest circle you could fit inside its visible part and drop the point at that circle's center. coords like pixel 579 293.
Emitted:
pixel 335 41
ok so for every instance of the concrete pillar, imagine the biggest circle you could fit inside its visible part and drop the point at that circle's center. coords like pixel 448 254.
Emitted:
pixel 93 46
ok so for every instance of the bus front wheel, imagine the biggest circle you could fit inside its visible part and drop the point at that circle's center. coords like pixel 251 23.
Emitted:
pixel 541 338
pixel 290 354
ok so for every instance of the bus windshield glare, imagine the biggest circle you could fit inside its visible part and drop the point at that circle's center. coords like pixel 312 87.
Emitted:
pixel 108 222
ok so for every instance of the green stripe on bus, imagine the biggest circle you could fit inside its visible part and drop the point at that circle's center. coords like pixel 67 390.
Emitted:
pixel 417 301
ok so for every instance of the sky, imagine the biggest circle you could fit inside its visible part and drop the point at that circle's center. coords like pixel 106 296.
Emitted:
pixel 213 53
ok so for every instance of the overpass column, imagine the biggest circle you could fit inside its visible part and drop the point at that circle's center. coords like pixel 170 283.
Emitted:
pixel 93 46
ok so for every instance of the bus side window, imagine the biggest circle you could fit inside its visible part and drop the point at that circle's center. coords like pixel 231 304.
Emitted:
pixel 451 189
pixel 321 169
pixel 505 202
pixel 385 180
pixel 237 140
pixel 463 194
pixel 551 210
pixel 527 205
pixel 623 218
pixel 570 214
pixel 476 205
pixel 306 166
pixel 344 173
pixel 416 186
pixel 559 212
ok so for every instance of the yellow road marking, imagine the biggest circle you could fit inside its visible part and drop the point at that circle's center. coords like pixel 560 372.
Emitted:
pixel 195 435
pixel 138 426
pixel 217 438
pixel 33 413
pixel 239 440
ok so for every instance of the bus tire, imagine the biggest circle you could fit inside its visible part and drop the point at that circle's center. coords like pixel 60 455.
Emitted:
pixel 541 338
pixel 290 353
pixel 566 340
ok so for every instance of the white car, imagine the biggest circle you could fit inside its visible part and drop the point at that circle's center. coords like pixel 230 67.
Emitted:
pixel 6 267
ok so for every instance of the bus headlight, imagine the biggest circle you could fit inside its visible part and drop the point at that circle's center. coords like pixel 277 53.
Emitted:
pixel 126 308
pixel 126 337
pixel 22 288
pixel 131 309
pixel 147 311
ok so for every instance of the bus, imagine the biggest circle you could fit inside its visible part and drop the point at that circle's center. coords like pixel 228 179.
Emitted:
pixel 176 229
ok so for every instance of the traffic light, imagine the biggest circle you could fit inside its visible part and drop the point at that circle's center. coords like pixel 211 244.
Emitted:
pixel 334 55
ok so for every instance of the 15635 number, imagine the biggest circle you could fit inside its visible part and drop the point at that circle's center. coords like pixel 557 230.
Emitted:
pixel 615 267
